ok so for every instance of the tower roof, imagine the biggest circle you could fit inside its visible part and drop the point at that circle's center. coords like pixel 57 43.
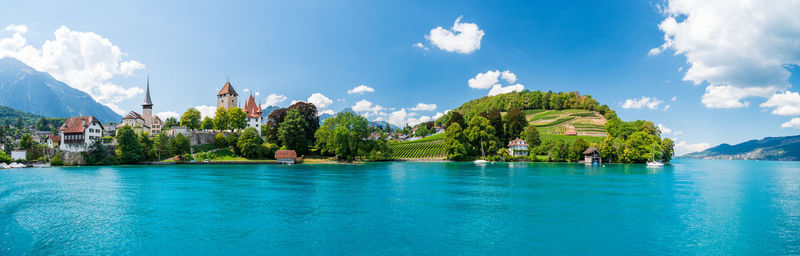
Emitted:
pixel 227 89
pixel 147 101
pixel 251 108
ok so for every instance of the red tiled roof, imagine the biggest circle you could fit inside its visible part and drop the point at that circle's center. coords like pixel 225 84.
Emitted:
pixel 54 138
pixel 133 115
pixel 590 151
pixel 285 154
pixel 77 124
pixel 570 133
pixel 251 108
pixel 517 142
pixel 227 89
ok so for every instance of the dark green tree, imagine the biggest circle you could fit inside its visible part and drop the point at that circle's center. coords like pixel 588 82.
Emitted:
pixel 162 145
pixel 180 145
pixel 26 142
pixel 128 149
pixel 292 132
pixel 344 135
pixel 481 135
pixel 667 150
pixel 531 136
pixel 250 143
pixel 220 141
pixel 496 120
pixel 576 149
pixel 170 122
pixel 455 142
pixel 515 123
pixel 456 117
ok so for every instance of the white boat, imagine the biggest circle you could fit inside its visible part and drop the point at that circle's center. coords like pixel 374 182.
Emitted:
pixel 4 166
pixel 16 165
pixel 654 164
pixel 480 161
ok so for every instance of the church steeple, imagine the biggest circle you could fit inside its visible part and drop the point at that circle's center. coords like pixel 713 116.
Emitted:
pixel 147 101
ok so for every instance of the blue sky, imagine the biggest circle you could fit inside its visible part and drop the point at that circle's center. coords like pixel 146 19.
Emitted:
pixel 296 49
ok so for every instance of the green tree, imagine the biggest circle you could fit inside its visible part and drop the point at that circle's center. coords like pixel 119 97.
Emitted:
pixel 481 134
pixel 292 130
pixel 170 122
pixel 422 131
pixel 576 149
pixel 191 119
pixel 221 120
pixel 98 154
pixel 379 150
pixel 250 143
pixel 611 149
pixel 455 142
pixel 220 141
pixel 180 145
pixel 207 124
pixel 238 118
pixel 496 120
pixel 559 151
pixel 162 144
pixel 639 147
pixel 56 161
pixel 148 146
pixel 4 158
pixel 515 123
pixel 233 140
pixel 455 117
pixel 344 135
pixel 667 150
pixel 26 142
pixel 531 136
pixel 128 149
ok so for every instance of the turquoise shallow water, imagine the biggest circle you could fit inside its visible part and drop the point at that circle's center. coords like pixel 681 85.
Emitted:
pixel 691 207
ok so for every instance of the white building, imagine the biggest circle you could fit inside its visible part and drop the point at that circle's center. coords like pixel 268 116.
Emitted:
pixel 78 133
pixel 145 122
pixel 52 141
pixel 518 147
pixel 253 113
pixel 19 154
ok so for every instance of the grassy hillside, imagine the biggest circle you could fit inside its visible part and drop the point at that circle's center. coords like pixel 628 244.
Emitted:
pixel 12 116
pixel 431 147
pixel 556 122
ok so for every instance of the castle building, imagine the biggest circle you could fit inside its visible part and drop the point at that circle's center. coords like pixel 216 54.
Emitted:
pixel 144 122
pixel 253 113
pixel 227 97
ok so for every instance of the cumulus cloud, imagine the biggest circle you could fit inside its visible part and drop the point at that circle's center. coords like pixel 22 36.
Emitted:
pixel 509 77
pixel 664 129
pixel 274 99
pixel 793 123
pixel 644 102
pixel 421 46
pixel 327 112
pixel 785 104
pixel 402 117
pixel 167 114
pixel 320 100
pixel 207 111
pixel 484 80
pixel 361 89
pixel 740 47
pixel 499 89
pixel 84 60
pixel 424 107
pixel 438 115
pixel 682 148
pixel 462 38
pixel 366 106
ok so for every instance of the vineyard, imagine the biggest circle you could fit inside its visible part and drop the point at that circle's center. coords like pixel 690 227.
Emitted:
pixel 558 122
pixel 430 149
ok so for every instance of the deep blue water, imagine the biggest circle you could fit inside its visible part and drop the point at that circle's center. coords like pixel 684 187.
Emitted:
pixel 691 207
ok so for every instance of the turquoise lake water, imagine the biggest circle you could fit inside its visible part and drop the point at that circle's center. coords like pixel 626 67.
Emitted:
pixel 691 207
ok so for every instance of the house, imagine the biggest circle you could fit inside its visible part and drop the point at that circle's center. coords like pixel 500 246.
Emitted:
pixel 253 113
pixel 373 136
pixel 144 122
pixel 78 133
pixel 438 129
pixel 518 147
pixel 592 156
pixel 52 141
pixel 286 156
pixel 571 133
pixel 18 154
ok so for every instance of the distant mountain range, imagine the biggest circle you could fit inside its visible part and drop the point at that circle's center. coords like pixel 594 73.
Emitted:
pixel 769 148
pixel 25 89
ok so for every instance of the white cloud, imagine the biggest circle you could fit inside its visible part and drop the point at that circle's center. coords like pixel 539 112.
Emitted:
pixel 424 107
pixel 257 94
pixel 421 46
pixel 674 98
pixel 319 100
pixel 207 111
pixel 664 129
pixel 246 90
pixel 785 104
pixel 677 133
pixel 509 77
pixel 84 60
pixel 793 123
pixel 361 89
pixel 327 111
pixel 274 99
pixel 438 115
pixel 22 29
pixel 726 96
pixel 740 47
pixel 167 114
pixel 644 102
pixel 461 38
pixel 401 117
pixel 667 107
pixel 682 148
pixel 499 89
pixel 366 106
pixel 484 80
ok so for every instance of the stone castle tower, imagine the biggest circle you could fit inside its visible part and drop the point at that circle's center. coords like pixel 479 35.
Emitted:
pixel 227 97
pixel 147 106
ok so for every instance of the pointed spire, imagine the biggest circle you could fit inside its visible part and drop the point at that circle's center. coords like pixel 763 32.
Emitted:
pixel 147 101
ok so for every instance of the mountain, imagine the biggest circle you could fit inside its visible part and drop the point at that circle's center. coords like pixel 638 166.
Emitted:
pixel 267 110
pixel 12 116
pixel 769 148
pixel 25 89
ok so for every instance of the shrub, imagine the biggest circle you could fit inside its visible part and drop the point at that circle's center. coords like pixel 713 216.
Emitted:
pixel 220 141
pixel 56 161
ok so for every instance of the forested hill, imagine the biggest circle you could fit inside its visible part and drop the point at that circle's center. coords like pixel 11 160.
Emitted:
pixel 15 117
pixel 769 148
pixel 532 100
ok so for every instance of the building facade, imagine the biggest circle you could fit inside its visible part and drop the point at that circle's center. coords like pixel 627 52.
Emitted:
pixel 227 97
pixel 518 147
pixel 254 112
pixel 78 133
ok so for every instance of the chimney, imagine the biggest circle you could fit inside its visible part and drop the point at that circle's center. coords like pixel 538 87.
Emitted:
pixel 83 122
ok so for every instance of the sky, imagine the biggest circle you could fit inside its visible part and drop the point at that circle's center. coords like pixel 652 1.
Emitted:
pixel 708 72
